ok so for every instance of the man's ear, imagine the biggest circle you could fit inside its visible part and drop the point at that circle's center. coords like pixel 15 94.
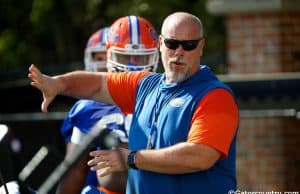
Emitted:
pixel 202 44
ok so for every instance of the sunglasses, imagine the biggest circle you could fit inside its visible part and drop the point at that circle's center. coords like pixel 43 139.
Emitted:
pixel 187 45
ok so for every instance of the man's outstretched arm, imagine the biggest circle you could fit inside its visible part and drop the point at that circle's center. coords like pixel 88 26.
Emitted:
pixel 78 84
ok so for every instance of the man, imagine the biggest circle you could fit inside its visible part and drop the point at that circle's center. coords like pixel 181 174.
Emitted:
pixel 183 134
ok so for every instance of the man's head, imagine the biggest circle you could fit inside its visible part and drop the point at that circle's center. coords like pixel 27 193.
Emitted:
pixel 95 51
pixel 181 45
pixel 132 45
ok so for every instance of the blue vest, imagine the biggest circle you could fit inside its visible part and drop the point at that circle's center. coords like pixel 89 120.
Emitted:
pixel 171 107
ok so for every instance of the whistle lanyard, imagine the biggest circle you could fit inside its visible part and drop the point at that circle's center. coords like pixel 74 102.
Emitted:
pixel 157 109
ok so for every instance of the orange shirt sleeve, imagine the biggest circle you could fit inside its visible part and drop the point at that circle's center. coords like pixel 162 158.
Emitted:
pixel 122 88
pixel 215 121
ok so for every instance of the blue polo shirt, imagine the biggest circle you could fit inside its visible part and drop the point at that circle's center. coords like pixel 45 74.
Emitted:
pixel 171 107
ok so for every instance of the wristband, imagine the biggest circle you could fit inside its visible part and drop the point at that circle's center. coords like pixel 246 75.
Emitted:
pixel 131 160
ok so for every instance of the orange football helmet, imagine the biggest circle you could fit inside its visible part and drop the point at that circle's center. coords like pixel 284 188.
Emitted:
pixel 132 45
pixel 96 44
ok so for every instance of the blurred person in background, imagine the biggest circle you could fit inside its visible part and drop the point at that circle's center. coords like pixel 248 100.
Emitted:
pixel 83 115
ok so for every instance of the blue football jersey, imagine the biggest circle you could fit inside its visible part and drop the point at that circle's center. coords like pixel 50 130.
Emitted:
pixel 85 113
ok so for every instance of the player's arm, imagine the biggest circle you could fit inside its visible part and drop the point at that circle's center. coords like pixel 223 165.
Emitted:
pixel 74 180
pixel 79 84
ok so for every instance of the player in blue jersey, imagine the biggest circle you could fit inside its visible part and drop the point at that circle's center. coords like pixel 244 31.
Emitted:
pixel 85 113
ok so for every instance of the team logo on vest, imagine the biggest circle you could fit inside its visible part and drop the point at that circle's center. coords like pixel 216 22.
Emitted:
pixel 177 102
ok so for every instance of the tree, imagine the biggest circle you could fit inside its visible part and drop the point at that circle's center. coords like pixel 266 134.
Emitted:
pixel 53 33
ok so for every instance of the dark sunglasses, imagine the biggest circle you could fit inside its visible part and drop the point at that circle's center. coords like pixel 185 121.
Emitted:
pixel 187 45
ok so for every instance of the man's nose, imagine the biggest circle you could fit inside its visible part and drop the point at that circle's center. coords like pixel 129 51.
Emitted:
pixel 179 50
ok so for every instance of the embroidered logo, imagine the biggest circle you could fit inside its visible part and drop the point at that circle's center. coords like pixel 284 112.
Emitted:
pixel 177 102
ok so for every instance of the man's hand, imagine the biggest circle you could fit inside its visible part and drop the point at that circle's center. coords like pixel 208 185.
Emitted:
pixel 106 162
pixel 49 86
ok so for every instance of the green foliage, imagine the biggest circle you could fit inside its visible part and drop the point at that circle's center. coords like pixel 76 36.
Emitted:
pixel 53 33
pixel 11 49
pixel 40 8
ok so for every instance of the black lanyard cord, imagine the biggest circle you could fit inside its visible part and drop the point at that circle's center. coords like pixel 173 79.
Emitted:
pixel 166 99
pixel 157 109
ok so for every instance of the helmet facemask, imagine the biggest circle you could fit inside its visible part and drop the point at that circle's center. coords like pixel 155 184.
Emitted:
pixel 95 65
pixel 95 52
pixel 132 59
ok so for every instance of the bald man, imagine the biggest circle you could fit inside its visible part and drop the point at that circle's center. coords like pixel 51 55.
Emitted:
pixel 183 133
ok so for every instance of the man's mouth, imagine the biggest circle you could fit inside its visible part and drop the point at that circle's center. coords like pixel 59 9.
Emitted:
pixel 177 63
pixel 177 66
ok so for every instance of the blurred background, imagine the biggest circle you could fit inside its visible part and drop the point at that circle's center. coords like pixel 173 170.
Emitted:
pixel 253 46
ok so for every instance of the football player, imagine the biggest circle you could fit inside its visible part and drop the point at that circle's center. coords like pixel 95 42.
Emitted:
pixel 131 44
